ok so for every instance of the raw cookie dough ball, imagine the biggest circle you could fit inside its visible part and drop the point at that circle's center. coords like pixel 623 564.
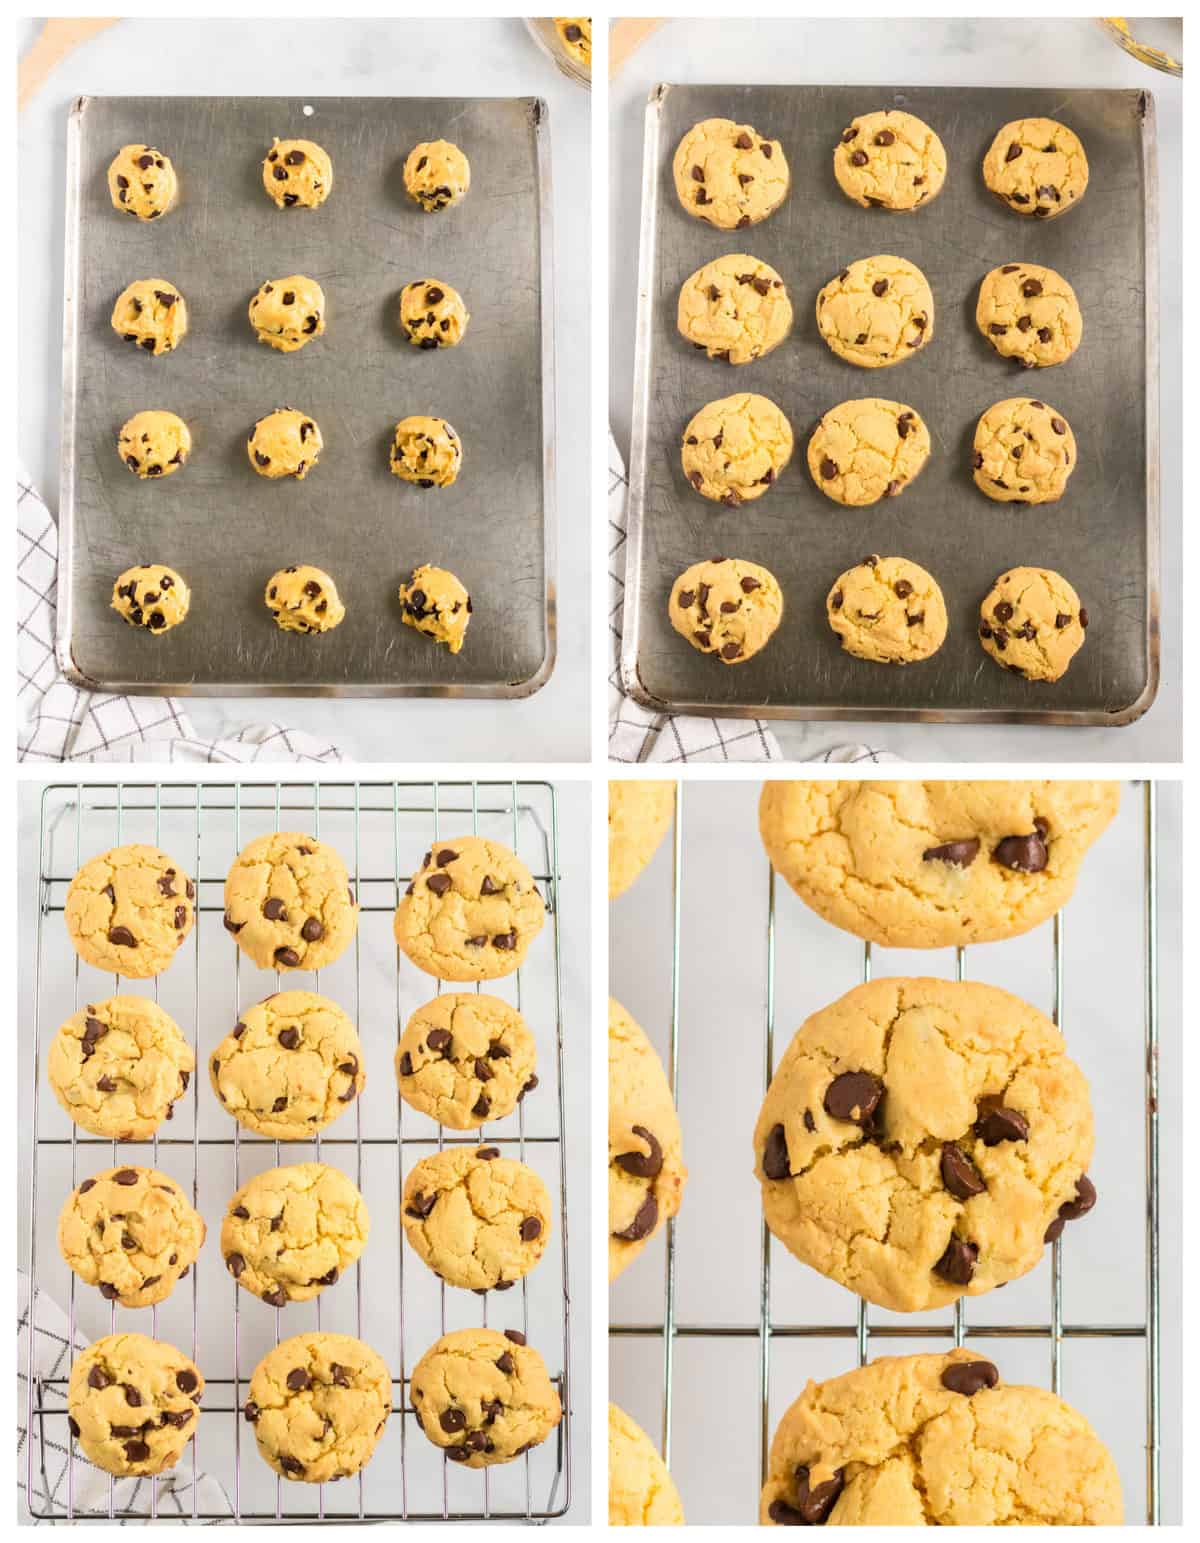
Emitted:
pixel 1032 623
pixel 154 443
pixel 131 1403
pixel 142 182
pixel 728 174
pixel 471 911
pixel 1030 314
pixel 290 1232
pixel 736 308
pixel 889 610
pixel 484 1397
pixel 287 313
pixel 734 448
pixel 297 174
pixel 464 1058
pixel 576 35
pixel 436 175
pixel 639 816
pixel 478 1220
pixel 1024 452
pixel 728 607
pixel 285 444
pixel 318 1404
pixel 426 451
pixel 641 1493
pixel 291 1066
pixel 288 902
pixel 118 1066
pixel 304 599
pixel 1037 167
pixel 877 312
pixel 132 1232
pixel 129 909
pixel 890 160
pixel 436 603
pixel 154 597
pixel 152 314
pixel 868 449
pixel 432 314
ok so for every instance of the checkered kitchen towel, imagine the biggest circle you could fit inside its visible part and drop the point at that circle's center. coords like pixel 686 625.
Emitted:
pixel 637 734
pixel 61 722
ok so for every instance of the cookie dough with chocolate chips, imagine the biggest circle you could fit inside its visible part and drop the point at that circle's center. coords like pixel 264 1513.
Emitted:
pixel 128 910
pixel 1024 452
pixel 1036 167
pixel 156 598
pixel 435 601
pixel 484 1397
pixel 426 452
pixel 876 312
pixel 118 1066
pixel 288 313
pixel 1030 314
pixel 728 174
pixel 132 1232
pixel 735 448
pixel 478 1220
pixel 639 816
pixel 285 443
pixel 646 1173
pixel 641 1493
pixel 921 1139
pixel 936 1440
pixel 728 607
pixel 1032 623
pixel 297 174
pixel 888 610
pixel 152 315
pixel 890 160
pixel 132 1404
pixel 154 443
pixel 736 308
pixel 466 1058
pixel 142 182
pixel 304 599
pixel 576 35
pixel 290 1232
pixel 432 314
pixel 437 175
pixel 318 1404
pixel 867 449
pixel 288 902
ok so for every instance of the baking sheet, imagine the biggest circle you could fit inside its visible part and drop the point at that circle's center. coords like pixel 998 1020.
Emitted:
pixel 227 529
pixel 1102 534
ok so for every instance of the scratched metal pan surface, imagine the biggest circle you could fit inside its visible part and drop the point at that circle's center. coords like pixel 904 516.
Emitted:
pixel 227 529
pixel 1102 534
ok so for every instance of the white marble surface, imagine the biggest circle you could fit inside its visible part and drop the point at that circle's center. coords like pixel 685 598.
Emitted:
pixel 419 57
pixel 937 52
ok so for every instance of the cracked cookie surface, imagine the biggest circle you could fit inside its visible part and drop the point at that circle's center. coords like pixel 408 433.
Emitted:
pixel 288 902
pixel 155 597
pixel 297 174
pixel 728 174
pixel 432 314
pixel 641 1493
pixel 132 1232
pixel 936 1440
pixel 933 864
pixel 889 160
pixel 437 175
pixel 464 1058
pixel 1024 452
pixel 1032 623
pixel 478 1220
pixel 288 313
pixel 1029 313
pixel 285 443
pixel 867 449
pixel 735 447
pixel 484 1396
pixel 132 1403
pixel 888 610
pixel 128 910
pixel 142 182
pixel 639 816
pixel 471 911
pixel 117 1067
pixel 290 1232
pixel 318 1404
pixel 920 1138
pixel 736 308
pixel 152 315
pixel 646 1173
pixel 876 312
pixel 728 607
pixel 1036 167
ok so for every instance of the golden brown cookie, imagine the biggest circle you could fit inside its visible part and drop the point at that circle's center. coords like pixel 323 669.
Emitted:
pixel 646 1173
pixel 471 911
pixel 1036 166
pixel 1030 314
pixel 290 1232
pixel 728 174
pixel 639 816
pixel 484 1397
pixel 118 1066
pixel 1024 452
pixel 888 610
pixel 318 1404
pixel 466 1058
pixel 867 449
pixel 735 308
pixel 128 910
pixel 641 1493
pixel 735 448
pixel 132 1232
pixel 889 160
pixel 478 1220
pixel 132 1404
pixel 876 312
pixel 288 902
pixel 1032 623
pixel 728 607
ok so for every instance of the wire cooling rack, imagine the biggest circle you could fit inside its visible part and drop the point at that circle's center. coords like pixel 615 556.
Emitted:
pixel 390 1299
pixel 1055 1330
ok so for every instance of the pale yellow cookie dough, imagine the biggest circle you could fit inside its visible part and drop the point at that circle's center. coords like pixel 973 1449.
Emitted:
pixel 288 902
pixel 290 1232
pixel 154 443
pixel 304 599
pixel 132 1403
pixel 437 175
pixel 151 314
pixel 890 160
pixel 1036 166
pixel 435 601
pixel 432 314
pixel 646 1172
pixel 867 449
pixel 1032 623
pixel 1024 452
pixel 142 182
pixel 1030 314
pixel 426 452
pixel 288 313
pixel 735 448
pixel 128 910
pixel 728 174
pixel 888 610
pixel 156 598
pixel 728 607
pixel 484 1397
pixel 118 1066
pixel 297 174
pixel 132 1232
pixel 877 312
pixel 576 35
pixel 639 816
pixel 285 443
pixel 318 1404
pixel 478 1220
pixel 736 308
pixel 641 1493
pixel 466 1058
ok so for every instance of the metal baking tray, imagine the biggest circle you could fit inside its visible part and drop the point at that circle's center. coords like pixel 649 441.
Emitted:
pixel 226 529
pixel 1103 534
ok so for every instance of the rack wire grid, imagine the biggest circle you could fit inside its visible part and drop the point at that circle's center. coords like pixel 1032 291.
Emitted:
pixel 1056 1331
pixel 390 1298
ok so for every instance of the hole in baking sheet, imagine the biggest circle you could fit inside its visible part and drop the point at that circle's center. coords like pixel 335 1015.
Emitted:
pixel 307 110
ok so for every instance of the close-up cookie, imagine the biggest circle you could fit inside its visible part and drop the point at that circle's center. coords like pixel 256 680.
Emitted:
pixel 1032 623
pixel 1036 166
pixel 154 443
pixel 152 315
pixel 889 160
pixel 318 1404
pixel 466 1058
pixel 575 32
pixel 478 1220
pixel 867 449
pixel 936 1441
pixel 735 447
pixel 888 610
pixel 297 174
pixel 132 1404
pixel 646 1173
pixel 291 1065
pixel 470 912
pixel 933 864
pixel 285 443
pixel 728 174
pixel 484 1397
pixel 735 308
pixel 437 175
pixel 641 1492
pixel 1024 452
pixel 1030 314
pixel 142 182
pixel 426 452
pixel 920 1140
pixel 118 1066
pixel 128 910
pixel 153 597
pixel 877 312
pixel 728 607
pixel 436 602
pixel 288 902
pixel 290 1232
pixel 304 599
pixel 288 313
pixel 131 1232
pixel 432 314
pixel 639 816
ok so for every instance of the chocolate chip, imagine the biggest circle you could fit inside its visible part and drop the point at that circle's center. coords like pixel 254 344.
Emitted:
pixel 122 937
pixel 854 1096
pixel 959 1174
pixel 289 1038
pixel 813 1503
pixel 235 1263
pixel 312 930
pixel 775 1161
pixel 879 287
pixel 1058 425
pixel 276 1298
pixel 186 1381
pixel 506 941
pixel 1083 618
pixel 1072 1210
pixel 290 1464
pixel 903 588
pixel 1062 620
pixel 481 1105
pixel 858 158
pixel 642 1224
pixel 251 1411
pixel 828 468
pixel 452 1420
pixel 744 142
pixel 836 600
pixel 968 1377
pixel 960 853
pixel 298 1379
pixel 180 917
pixel 137 1451
pixel 439 1039
pixel 531 1228
pixel 438 883
pixel 1023 854
pixel 643 1165
pixel 230 925
pixel 1012 153
pixel 288 957
pixel 996 1122
pixel 957 1264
